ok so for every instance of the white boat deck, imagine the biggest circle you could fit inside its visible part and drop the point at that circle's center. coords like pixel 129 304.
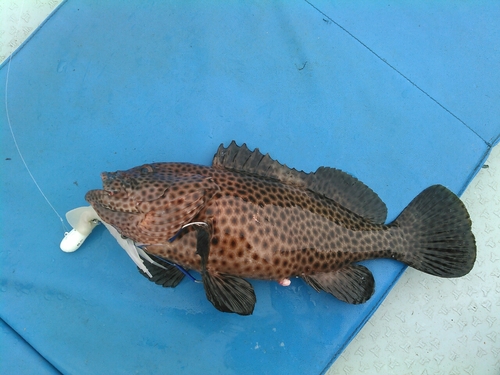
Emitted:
pixel 429 325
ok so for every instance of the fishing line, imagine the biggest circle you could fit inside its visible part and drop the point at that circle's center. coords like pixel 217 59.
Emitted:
pixel 180 268
pixel 9 123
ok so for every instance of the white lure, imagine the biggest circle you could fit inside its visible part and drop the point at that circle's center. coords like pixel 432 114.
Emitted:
pixel 83 220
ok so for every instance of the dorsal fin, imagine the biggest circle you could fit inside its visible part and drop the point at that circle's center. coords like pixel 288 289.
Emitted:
pixel 349 192
pixel 332 183
pixel 241 159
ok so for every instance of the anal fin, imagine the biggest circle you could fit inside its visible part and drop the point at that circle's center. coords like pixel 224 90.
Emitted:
pixel 352 284
pixel 168 276
pixel 227 293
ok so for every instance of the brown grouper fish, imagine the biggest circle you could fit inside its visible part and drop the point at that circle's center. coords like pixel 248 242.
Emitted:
pixel 248 216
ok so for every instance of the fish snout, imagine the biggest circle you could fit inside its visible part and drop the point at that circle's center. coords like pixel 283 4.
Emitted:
pixel 108 176
pixel 95 196
pixel 113 182
pixel 110 200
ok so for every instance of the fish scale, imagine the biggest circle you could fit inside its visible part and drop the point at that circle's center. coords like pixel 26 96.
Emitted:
pixel 256 218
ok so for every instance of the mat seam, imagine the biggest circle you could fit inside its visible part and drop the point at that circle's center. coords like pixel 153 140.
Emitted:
pixel 397 71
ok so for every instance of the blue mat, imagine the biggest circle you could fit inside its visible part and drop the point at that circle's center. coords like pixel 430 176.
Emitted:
pixel 18 357
pixel 110 85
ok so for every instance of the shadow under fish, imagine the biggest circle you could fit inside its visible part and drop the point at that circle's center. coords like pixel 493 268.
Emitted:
pixel 248 216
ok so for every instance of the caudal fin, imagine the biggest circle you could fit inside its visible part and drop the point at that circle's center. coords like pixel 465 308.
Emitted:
pixel 434 234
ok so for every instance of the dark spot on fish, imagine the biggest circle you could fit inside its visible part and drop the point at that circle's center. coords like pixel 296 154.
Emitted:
pixel 256 239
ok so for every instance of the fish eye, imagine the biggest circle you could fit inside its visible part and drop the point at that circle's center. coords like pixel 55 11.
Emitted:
pixel 146 168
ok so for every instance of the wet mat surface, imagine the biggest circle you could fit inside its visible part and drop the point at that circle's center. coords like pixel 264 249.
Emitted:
pixel 101 87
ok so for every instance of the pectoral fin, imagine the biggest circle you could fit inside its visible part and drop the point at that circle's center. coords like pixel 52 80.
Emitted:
pixel 352 284
pixel 168 275
pixel 226 292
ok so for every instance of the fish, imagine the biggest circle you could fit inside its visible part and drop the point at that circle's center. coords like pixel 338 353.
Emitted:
pixel 250 217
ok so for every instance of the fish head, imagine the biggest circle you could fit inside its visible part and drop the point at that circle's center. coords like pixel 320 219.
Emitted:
pixel 124 191
pixel 150 203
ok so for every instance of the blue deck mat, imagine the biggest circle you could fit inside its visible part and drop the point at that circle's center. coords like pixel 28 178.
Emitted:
pixel 18 357
pixel 110 85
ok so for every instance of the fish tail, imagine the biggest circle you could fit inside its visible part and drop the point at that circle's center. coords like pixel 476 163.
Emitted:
pixel 434 234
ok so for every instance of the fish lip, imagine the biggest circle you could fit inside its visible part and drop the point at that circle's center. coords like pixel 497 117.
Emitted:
pixel 109 192
pixel 95 195
pixel 98 196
